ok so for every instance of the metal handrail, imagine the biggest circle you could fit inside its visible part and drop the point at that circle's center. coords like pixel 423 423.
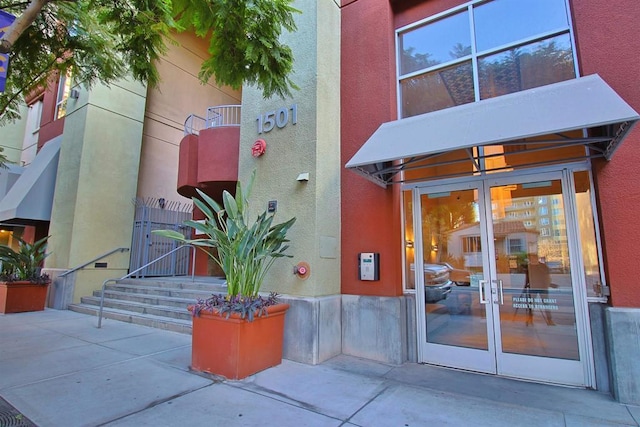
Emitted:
pixel 219 116
pixel 193 124
pixel 104 284
pixel 223 115
pixel 98 258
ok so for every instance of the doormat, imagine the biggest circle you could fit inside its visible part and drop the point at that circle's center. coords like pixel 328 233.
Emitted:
pixel 11 417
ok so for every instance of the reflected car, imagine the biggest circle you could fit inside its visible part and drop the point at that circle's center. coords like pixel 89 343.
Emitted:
pixel 458 276
pixel 436 283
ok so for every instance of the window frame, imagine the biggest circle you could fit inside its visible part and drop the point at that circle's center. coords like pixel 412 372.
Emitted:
pixel 63 94
pixel 475 54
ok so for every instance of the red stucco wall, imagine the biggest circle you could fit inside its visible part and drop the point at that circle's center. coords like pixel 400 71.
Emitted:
pixel 607 41
pixel 370 214
pixel 49 128
pixel 209 162
pixel 607 44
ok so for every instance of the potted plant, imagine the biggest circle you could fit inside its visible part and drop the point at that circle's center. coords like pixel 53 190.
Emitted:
pixel 22 286
pixel 240 333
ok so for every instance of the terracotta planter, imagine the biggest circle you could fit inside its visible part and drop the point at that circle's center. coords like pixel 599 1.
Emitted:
pixel 17 297
pixel 235 348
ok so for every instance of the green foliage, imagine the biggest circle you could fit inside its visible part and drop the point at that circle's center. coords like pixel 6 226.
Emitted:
pixel 25 263
pixel 245 251
pixel 243 41
pixel 106 40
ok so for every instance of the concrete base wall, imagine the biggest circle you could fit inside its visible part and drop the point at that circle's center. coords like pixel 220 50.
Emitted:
pixel 312 329
pixel 412 332
pixel 598 338
pixel 384 329
pixel 623 339
pixel 375 328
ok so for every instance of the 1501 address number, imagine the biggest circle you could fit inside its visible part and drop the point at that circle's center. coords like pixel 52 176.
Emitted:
pixel 278 118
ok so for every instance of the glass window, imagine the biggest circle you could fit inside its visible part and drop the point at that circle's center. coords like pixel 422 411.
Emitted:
pixel 517 45
pixel 502 22
pixel 588 240
pixel 471 244
pixel 64 88
pixel 435 43
pixel 515 246
pixel 525 67
pixel 409 239
pixel 444 88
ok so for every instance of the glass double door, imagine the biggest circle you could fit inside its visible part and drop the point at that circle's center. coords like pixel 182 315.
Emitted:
pixel 496 290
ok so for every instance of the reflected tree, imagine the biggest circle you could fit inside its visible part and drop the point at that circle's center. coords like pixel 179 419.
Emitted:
pixel 525 68
pixel 439 220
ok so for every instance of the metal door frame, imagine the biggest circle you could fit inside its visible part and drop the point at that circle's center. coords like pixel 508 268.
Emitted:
pixel 484 184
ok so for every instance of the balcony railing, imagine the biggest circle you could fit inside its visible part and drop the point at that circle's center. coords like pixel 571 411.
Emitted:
pixel 222 115
pixel 194 124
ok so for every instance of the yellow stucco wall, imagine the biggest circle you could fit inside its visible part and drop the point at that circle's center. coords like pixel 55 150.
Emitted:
pixel 312 145
pixel 120 143
pixel 12 136
pixel 97 178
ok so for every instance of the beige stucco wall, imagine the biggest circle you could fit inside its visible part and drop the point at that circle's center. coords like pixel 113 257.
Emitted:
pixel 178 95
pixel 312 145
pixel 12 136
pixel 97 178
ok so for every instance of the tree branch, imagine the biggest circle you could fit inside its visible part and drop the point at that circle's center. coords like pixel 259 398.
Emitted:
pixel 20 24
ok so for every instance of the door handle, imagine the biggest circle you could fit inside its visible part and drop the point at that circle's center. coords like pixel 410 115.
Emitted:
pixel 499 282
pixel 482 290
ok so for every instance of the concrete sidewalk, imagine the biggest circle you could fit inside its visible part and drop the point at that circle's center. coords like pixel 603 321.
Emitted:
pixel 58 369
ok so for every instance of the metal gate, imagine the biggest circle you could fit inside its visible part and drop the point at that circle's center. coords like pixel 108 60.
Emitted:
pixel 158 214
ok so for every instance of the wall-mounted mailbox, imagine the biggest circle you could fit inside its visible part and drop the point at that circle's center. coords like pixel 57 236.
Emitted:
pixel 369 266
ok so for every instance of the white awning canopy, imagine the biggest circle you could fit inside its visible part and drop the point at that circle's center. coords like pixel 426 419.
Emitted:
pixel 586 103
pixel 31 196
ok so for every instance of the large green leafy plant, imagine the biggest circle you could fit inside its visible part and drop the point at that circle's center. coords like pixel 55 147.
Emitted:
pixel 25 263
pixel 105 40
pixel 245 251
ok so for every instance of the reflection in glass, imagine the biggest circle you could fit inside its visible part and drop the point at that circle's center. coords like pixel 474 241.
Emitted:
pixel 409 240
pixel 452 269
pixel 435 43
pixel 525 67
pixel 588 241
pixel 534 42
pixel 436 90
pixel 537 317
pixel 502 22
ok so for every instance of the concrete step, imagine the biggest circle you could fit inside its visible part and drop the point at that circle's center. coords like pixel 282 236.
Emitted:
pixel 140 308
pixel 159 322
pixel 194 294
pixel 202 284
pixel 159 302
pixel 148 298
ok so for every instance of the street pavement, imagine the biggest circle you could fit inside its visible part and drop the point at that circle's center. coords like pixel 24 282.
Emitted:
pixel 58 369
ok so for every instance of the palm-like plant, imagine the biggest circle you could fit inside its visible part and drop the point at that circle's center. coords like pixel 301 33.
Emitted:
pixel 244 251
pixel 25 263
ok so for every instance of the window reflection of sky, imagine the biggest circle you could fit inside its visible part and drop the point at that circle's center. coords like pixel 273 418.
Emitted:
pixel 437 40
pixel 497 23
pixel 505 21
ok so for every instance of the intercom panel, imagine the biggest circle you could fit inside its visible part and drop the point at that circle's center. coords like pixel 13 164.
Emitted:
pixel 369 266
